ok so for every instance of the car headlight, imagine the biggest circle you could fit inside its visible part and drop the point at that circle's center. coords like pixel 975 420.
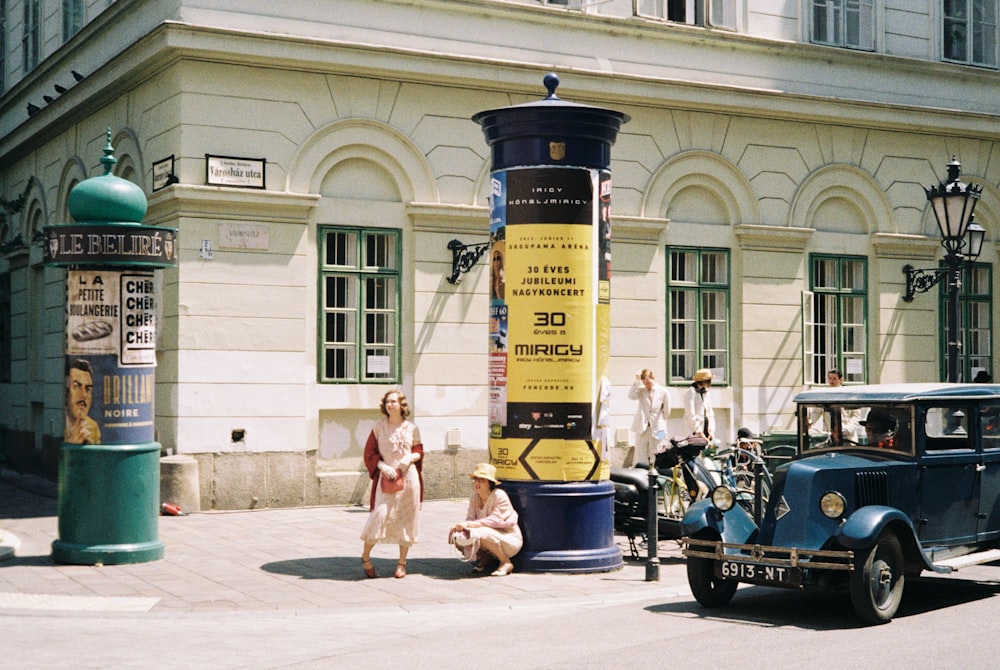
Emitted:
pixel 723 498
pixel 832 505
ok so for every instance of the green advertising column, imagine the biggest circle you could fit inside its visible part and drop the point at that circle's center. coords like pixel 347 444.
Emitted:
pixel 109 463
pixel 550 326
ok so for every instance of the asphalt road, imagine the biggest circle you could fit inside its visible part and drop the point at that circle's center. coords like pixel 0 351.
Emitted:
pixel 944 622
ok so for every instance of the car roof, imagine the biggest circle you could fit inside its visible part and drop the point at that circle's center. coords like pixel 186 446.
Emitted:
pixel 898 393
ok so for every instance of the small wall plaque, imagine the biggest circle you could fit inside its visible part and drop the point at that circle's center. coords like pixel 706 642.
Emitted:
pixel 163 173
pixel 244 236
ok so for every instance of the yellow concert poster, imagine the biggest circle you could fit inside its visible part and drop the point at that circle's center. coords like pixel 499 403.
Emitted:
pixel 548 348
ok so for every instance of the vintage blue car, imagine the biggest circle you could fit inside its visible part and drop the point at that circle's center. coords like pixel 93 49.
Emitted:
pixel 888 481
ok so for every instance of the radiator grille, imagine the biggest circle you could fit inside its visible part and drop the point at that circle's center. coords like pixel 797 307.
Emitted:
pixel 872 488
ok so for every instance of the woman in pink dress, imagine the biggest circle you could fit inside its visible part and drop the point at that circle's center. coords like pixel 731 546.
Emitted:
pixel 394 458
pixel 490 531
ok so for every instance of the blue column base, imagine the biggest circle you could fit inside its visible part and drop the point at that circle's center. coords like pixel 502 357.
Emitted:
pixel 567 527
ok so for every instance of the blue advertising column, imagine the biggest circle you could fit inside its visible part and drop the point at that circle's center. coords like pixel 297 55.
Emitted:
pixel 550 326
pixel 109 463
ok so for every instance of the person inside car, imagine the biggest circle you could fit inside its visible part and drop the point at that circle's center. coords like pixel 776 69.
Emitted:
pixel 881 428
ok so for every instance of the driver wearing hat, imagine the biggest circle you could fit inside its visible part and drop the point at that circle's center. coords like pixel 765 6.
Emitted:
pixel 881 428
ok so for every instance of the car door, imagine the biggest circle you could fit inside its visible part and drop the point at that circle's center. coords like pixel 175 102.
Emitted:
pixel 989 503
pixel 949 480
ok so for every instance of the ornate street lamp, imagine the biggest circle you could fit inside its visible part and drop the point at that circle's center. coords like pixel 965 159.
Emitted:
pixel 953 204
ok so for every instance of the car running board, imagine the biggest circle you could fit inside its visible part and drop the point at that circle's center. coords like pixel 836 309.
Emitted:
pixel 977 558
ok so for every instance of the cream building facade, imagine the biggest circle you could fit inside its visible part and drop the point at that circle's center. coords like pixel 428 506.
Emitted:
pixel 768 190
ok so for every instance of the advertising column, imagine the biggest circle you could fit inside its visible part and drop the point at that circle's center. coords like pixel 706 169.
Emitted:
pixel 109 462
pixel 549 327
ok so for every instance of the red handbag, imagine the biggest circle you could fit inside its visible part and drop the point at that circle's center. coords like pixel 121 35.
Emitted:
pixel 392 485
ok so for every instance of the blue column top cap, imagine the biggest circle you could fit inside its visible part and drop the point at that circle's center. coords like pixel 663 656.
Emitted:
pixel 520 134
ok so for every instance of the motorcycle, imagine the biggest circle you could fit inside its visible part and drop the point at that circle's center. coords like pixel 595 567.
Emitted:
pixel 681 477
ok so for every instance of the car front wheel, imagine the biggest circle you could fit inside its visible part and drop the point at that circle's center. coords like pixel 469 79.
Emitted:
pixel 709 590
pixel 877 580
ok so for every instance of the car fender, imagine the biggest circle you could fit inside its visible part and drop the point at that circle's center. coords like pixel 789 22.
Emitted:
pixel 734 526
pixel 862 529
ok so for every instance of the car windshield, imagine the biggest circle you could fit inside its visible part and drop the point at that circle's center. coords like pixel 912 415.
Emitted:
pixel 853 426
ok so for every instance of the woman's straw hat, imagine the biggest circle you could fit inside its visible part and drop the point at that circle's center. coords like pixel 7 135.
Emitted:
pixel 485 471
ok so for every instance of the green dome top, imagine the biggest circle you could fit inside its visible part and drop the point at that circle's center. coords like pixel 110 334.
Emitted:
pixel 107 197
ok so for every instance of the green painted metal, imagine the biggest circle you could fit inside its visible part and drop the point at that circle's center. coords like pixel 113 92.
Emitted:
pixel 107 198
pixel 109 499
pixel 109 493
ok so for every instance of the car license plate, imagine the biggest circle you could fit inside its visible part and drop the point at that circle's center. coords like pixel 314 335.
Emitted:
pixel 757 573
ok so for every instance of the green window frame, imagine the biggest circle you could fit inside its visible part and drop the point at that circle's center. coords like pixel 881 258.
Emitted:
pixel 698 288
pixel 835 319
pixel 360 305
pixel 975 322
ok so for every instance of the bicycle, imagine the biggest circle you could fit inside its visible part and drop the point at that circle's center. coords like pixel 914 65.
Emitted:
pixel 741 466
pixel 682 478
pixel 677 469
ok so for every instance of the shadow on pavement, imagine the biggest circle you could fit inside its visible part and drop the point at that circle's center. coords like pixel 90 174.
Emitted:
pixel 41 560
pixel 24 496
pixel 827 610
pixel 343 568
pixel 928 594
pixel 773 608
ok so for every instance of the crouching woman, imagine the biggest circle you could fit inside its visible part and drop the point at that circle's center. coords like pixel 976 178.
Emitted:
pixel 490 533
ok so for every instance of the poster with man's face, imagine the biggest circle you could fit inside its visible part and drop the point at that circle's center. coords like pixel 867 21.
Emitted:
pixel 80 428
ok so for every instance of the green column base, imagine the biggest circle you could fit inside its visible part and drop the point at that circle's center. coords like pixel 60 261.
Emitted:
pixel 108 554
pixel 109 504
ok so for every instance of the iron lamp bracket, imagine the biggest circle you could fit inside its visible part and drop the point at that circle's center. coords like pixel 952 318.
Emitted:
pixel 464 257
pixel 922 280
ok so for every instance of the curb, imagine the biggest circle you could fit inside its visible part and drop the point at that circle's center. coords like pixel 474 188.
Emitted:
pixel 9 544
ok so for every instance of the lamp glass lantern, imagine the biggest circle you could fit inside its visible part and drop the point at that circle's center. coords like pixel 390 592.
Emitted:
pixel 974 236
pixel 953 204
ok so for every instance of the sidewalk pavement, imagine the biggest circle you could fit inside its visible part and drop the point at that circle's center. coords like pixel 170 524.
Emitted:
pixel 290 560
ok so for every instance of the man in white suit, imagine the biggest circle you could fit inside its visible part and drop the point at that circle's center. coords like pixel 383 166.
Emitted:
pixel 698 412
pixel 650 422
